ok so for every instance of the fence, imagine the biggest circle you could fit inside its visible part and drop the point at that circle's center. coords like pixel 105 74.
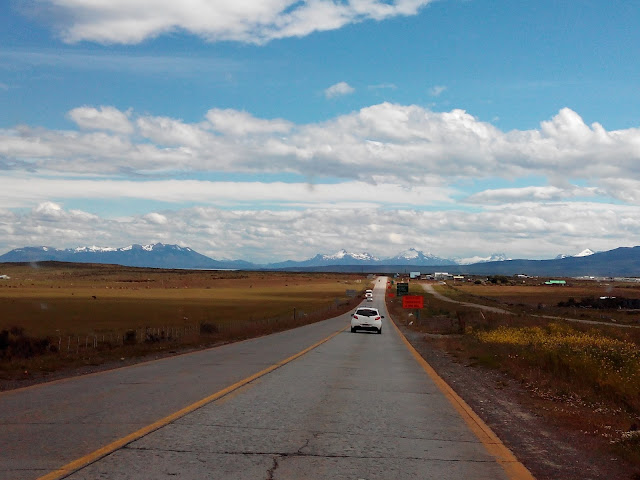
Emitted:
pixel 223 329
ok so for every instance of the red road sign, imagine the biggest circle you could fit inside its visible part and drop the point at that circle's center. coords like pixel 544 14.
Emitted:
pixel 413 301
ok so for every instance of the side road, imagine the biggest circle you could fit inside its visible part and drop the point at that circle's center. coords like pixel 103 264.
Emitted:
pixel 429 289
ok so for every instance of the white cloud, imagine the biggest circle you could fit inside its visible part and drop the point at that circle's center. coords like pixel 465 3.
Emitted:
pixel 520 231
pixel 338 90
pixel 155 218
pixel 102 118
pixel 531 194
pixel 437 90
pixel 235 123
pixel 251 21
pixel 407 143
pixel 404 171
pixel 20 191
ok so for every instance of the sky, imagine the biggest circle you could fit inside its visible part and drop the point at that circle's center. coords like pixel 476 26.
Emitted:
pixel 268 130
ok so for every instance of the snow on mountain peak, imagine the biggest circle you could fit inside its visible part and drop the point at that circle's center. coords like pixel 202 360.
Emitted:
pixel 409 254
pixel 339 254
pixel 94 249
pixel 494 257
pixel 343 253
pixel 584 253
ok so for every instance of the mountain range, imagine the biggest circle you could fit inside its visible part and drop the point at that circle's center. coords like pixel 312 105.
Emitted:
pixel 618 262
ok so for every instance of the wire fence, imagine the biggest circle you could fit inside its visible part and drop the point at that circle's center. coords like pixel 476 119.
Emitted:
pixel 14 343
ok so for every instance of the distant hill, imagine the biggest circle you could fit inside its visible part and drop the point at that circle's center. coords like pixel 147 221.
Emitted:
pixel 158 255
pixel 416 257
pixel 621 262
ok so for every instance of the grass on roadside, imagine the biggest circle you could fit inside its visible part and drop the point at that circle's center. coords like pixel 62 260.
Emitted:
pixel 58 316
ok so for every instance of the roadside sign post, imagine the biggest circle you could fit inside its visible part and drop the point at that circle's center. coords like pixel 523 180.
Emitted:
pixel 402 289
pixel 415 302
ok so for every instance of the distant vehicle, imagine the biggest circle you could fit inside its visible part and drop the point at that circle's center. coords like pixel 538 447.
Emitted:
pixel 370 298
pixel 366 318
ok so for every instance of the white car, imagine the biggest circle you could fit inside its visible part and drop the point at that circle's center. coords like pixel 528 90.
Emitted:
pixel 366 318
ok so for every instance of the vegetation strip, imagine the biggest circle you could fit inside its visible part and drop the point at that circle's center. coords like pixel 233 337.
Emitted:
pixel 512 467
pixel 76 465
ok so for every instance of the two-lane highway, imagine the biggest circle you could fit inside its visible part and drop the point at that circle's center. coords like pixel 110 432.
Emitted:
pixel 356 406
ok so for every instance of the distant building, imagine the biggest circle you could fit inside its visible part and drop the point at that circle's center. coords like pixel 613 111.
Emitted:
pixel 441 275
pixel 414 274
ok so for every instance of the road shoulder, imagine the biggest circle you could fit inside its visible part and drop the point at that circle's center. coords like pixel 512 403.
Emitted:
pixel 548 451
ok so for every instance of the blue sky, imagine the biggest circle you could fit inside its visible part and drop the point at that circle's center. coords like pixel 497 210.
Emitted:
pixel 276 129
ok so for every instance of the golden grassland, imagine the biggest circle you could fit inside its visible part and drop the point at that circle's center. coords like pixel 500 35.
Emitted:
pixel 63 299
pixel 585 376
pixel 57 316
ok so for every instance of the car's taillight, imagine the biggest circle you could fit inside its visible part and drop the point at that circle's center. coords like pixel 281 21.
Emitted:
pixel 355 316
pixel 377 318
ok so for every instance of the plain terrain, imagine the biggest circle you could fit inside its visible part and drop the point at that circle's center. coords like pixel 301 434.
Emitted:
pixel 58 315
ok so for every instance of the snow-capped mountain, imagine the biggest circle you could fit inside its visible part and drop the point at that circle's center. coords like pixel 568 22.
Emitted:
pixel 584 253
pixel 343 254
pixel 416 257
pixel 341 257
pixel 624 261
pixel 158 255
pixel 494 257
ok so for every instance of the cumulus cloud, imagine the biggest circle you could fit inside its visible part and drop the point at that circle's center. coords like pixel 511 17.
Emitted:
pixel 155 218
pixel 532 194
pixel 381 175
pixel 520 231
pixel 254 21
pixel 404 142
pixel 235 123
pixel 102 118
pixel 338 90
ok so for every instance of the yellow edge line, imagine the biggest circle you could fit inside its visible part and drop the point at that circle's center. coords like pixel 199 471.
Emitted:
pixel 75 465
pixel 507 460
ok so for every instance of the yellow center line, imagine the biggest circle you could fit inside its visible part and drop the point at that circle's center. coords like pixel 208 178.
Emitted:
pixel 507 460
pixel 92 457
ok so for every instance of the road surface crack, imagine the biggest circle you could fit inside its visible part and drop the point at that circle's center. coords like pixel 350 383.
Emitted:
pixel 273 469
pixel 306 444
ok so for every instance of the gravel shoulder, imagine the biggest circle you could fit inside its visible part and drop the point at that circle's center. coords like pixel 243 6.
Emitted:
pixel 548 449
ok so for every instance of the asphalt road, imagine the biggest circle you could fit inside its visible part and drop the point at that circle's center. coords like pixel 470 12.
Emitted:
pixel 358 406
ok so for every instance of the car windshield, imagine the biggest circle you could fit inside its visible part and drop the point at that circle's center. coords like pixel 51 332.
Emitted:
pixel 366 312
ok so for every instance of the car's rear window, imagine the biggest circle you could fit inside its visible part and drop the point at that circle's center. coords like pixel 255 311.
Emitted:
pixel 366 312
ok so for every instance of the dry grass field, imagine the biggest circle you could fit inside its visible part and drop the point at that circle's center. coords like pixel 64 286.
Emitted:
pixel 57 314
pixel 549 294
pixel 544 299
